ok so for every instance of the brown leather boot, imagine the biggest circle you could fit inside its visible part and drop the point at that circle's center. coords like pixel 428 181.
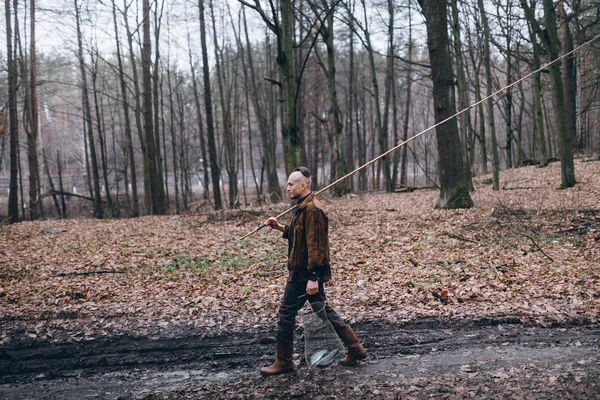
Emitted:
pixel 283 362
pixel 355 350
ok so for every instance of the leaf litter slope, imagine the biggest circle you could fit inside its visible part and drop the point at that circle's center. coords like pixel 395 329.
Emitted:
pixel 529 251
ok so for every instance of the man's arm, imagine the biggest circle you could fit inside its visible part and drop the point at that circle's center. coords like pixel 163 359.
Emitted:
pixel 273 223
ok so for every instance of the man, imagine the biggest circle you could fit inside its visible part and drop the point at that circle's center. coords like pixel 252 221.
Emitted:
pixel 308 269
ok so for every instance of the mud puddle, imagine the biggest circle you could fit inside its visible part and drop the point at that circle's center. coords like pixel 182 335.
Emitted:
pixel 421 359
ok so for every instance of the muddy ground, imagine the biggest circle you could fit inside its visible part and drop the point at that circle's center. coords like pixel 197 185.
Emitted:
pixel 421 359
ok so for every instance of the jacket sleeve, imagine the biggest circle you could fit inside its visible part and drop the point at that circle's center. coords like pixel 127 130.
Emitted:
pixel 316 238
pixel 286 232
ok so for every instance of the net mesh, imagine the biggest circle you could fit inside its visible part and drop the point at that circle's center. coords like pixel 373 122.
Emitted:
pixel 322 346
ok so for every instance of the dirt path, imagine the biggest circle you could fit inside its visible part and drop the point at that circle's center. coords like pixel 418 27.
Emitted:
pixel 455 359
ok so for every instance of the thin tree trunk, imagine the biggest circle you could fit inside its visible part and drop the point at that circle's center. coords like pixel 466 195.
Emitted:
pixel 537 99
pixel 98 211
pixel 156 200
pixel 212 149
pixel 477 62
pixel 138 110
pixel 463 93
pixel 101 134
pixel 127 122
pixel 569 74
pixel 381 128
pixel 351 102
pixel 182 162
pixel 490 102
pixel 267 135
pixel 361 121
pixel 35 201
pixel 173 138
pixel 567 167
pixel 13 194
pixel 409 82
pixel 161 196
pixel 228 136
pixel 201 133
pixel 237 34
pixel 549 36
pixel 63 204
pixel 51 183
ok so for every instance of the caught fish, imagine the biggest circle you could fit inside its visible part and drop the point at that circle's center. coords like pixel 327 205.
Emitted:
pixel 317 356
pixel 328 359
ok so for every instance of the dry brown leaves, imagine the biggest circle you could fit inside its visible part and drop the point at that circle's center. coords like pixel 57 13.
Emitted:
pixel 529 250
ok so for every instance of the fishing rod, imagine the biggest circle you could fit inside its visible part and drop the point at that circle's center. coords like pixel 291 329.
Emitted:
pixel 433 127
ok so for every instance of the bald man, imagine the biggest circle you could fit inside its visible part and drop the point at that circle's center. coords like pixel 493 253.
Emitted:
pixel 308 269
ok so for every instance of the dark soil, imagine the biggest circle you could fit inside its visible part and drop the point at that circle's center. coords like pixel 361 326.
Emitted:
pixel 421 359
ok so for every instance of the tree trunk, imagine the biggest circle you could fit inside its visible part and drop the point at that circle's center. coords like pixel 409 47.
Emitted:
pixel 463 92
pixel 537 99
pixel 35 201
pixel 138 111
pixel 98 211
pixel 182 160
pixel 361 126
pixel 338 161
pixel 390 99
pixel 508 105
pixel 268 138
pixel 51 183
pixel 156 93
pixel 569 75
pixel 407 108
pixel 567 167
pixel 156 200
pixel 490 102
pixel 285 60
pixel 351 103
pixel 173 138
pixel 454 184
pixel 101 135
pixel 127 122
pixel 63 204
pixel 13 194
pixel 381 128
pixel 212 149
pixel 228 135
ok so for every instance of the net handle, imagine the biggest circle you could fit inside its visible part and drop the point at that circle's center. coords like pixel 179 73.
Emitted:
pixel 305 295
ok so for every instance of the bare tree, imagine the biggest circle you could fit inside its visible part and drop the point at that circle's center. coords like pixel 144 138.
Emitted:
pixel 127 121
pixel 454 185
pixel 281 24
pixel 13 199
pixel 87 115
pixel 490 102
pixel 212 148
pixel 549 37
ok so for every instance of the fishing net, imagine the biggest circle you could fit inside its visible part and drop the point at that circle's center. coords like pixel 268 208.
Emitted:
pixel 322 346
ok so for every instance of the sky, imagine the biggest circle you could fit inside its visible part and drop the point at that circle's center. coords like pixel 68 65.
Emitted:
pixel 56 32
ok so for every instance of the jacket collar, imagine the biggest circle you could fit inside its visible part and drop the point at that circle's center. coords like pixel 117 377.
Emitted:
pixel 304 202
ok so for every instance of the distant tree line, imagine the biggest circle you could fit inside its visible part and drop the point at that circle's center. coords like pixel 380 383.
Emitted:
pixel 208 104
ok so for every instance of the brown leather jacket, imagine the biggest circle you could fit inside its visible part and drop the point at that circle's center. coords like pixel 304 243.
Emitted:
pixel 310 241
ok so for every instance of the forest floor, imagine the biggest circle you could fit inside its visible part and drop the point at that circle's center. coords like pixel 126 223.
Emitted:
pixel 498 301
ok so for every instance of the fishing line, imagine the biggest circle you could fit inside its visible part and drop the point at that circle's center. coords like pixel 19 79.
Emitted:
pixel 433 127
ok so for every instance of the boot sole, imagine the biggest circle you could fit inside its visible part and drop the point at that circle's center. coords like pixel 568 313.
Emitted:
pixel 353 362
pixel 282 371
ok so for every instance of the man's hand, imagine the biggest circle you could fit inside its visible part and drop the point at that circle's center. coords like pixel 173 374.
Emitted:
pixel 273 223
pixel 312 287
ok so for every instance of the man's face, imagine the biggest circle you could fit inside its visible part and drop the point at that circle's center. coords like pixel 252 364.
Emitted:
pixel 296 185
